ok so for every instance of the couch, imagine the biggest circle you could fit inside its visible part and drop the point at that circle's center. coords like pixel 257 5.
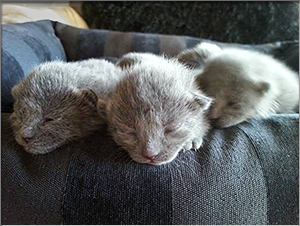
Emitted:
pixel 245 174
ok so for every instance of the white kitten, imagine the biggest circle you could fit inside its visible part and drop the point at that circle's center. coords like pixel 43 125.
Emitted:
pixel 244 83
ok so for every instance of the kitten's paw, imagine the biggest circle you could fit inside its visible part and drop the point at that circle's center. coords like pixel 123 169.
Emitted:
pixel 193 144
pixel 197 142
pixel 187 146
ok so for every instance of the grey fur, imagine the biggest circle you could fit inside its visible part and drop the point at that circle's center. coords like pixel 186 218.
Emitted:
pixel 57 102
pixel 245 84
pixel 156 109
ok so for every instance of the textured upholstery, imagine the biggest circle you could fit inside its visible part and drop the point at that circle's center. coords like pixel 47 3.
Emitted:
pixel 246 174
pixel 86 43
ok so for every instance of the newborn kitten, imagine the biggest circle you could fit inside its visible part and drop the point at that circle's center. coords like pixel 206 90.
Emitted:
pixel 57 102
pixel 156 109
pixel 245 84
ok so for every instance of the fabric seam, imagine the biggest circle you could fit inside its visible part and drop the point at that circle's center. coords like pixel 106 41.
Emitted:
pixel 65 188
pixel 261 166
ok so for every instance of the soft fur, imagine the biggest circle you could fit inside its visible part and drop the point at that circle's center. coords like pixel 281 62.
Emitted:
pixel 245 84
pixel 156 110
pixel 57 102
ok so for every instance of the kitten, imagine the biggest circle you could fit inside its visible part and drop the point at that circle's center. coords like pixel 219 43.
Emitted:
pixel 156 109
pixel 57 102
pixel 245 84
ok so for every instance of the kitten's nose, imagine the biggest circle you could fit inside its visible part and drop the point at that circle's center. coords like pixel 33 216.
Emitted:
pixel 214 119
pixel 214 115
pixel 215 112
pixel 27 134
pixel 150 156
pixel 26 139
pixel 151 150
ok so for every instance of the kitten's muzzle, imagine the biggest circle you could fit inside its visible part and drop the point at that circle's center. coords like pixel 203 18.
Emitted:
pixel 27 134
pixel 150 156
pixel 216 123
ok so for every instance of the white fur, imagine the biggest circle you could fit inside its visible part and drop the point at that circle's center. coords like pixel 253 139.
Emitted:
pixel 283 95
pixel 235 75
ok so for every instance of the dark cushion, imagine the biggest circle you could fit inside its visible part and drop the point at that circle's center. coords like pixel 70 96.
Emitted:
pixel 246 174
pixel 82 44
pixel 24 46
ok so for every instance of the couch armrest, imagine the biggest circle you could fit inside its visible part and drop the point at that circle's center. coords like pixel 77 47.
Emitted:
pixel 246 174
pixel 24 46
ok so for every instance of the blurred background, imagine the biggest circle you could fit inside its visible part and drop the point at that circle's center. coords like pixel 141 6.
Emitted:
pixel 240 22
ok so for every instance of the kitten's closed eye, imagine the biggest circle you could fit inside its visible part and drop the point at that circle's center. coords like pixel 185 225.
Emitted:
pixel 169 130
pixel 132 133
pixel 127 131
pixel 232 103
pixel 48 119
pixel 172 128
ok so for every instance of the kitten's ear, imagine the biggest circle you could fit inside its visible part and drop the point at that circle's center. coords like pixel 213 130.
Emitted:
pixel 101 108
pixel 200 101
pixel 14 91
pixel 87 95
pixel 125 62
pixel 197 56
pixel 12 117
pixel 190 58
pixel 262 87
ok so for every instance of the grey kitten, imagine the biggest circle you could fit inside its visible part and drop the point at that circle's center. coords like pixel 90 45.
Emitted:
pixel 57 102
pixel 156 109
pixel 245 84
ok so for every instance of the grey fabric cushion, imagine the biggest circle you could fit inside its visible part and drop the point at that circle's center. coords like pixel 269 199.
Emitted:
pixel 82 44
pixel 247 174
pixel 24 46
pixel 31 186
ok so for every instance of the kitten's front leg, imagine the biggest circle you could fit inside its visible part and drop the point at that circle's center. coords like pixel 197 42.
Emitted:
pixel 197 142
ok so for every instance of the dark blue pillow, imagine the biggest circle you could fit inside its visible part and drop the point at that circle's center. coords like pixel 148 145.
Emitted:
pixel 25 46
pixel 82 44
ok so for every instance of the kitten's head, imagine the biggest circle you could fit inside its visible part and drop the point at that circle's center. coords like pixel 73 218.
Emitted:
pixel 236 96
pixel 150 118
pixel 47 114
